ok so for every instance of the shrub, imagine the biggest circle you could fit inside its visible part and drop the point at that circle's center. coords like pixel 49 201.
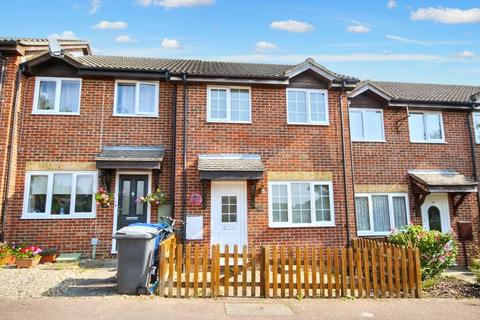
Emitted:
pixel 437 250
pixel 475 267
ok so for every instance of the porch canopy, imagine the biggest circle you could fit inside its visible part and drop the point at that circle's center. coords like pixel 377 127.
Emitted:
pixel 427 182
pixel 230 167
pixel 126 157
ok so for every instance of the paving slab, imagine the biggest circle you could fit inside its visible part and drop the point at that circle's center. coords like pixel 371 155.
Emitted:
pixel 257 309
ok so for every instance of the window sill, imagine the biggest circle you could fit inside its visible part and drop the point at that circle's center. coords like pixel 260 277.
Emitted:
pixel 228 122
pixel 428 142
pixel 58 217
pixel 371 141
pixel 136 115
pixel 325 124
pixel 301 225
pixel 373 234
pixel 39 113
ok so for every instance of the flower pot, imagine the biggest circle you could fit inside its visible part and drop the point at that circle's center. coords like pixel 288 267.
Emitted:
pixel 8 260
pixel 49 258
pixel 27 262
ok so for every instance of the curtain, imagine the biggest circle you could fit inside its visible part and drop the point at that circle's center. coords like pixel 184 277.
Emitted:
pixel 417 127
pixel 147 98
pixel 38 194
pixel 84 193
pixel 61 197
pixel 46 98
pixel 69 96
pixel 381 215
pixel 399 212
pixel 363 215
pixel 356 125
pixel 126 98
pixel 374 130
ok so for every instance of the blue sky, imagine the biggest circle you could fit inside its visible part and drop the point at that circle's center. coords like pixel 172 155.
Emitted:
pixel 416 41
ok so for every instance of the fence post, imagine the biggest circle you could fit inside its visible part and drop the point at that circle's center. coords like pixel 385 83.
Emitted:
pixel 161 270
pixel 418 274
pixel 262 272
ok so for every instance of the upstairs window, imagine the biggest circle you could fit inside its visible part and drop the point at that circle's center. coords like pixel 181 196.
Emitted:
pixel 307 106
pixel 229 104
pixel 50 195
pixel 476 125
pixel 136 98
pixel 57 96
pixel 380 213
pixel 426 126
pixel 366 125
pixel 300 204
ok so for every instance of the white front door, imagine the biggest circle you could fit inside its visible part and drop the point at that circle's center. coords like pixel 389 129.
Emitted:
pixel 229 214
pixel 435 213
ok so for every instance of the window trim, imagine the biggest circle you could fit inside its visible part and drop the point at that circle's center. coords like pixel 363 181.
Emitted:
pixel 137 99
pixel 48 205
pixel 309 122
pixel 290 224
pixel 56 107
pixel 229 116
pixel 477 136
pixel 390 195
pixel 363 110
pixel 427 140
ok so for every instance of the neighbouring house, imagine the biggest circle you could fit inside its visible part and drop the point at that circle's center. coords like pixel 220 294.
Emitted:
pixel 247 154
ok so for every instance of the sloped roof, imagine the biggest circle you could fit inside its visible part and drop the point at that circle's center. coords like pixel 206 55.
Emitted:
pixel 40 41
pixel 421 92
pixel 196 67
pixel 128 153
pixel 230 162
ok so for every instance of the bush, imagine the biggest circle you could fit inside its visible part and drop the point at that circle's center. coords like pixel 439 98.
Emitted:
pixel 475 267
pixel 437 250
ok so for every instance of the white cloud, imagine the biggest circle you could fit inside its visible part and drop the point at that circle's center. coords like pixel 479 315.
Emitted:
pixel 447 15
pixel 125 39
pixel 358 28
pixel 464 54
pixel 64 35
pixel 95 5
pixel 262 46
pixel 110 25
pixel 407 40
pixel 175 3
pixel 292 26
pixel 171 44
pixel 391 4
pixel 322 58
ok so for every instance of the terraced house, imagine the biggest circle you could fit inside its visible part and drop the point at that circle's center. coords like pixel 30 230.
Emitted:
pixel 245 153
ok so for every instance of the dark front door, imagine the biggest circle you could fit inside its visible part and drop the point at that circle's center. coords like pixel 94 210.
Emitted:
pixel 130 209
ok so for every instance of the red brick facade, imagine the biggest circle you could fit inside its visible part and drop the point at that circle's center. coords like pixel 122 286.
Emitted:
pixel 70 139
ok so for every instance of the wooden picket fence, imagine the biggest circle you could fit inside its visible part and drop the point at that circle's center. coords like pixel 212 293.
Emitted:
pixel 367 270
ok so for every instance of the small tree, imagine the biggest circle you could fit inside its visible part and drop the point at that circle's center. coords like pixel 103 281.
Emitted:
pixel 437 250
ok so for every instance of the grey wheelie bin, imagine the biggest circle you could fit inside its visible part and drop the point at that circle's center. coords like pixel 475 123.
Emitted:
pixel 135 254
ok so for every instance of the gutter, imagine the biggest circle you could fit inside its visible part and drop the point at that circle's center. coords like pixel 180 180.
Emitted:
pixel 9 166
pixel 344 163
pixel 184 162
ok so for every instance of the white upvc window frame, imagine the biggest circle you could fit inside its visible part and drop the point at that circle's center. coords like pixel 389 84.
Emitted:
pixel 137 113
pixel 48 205
pixel 228 119
pixel 309 121
pixel 364 139
pixel 58 89
pixel 290 224
pixel 476 122
pixel 390 195
pixel 427 140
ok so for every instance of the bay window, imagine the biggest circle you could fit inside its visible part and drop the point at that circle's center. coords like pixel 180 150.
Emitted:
pixel 379 214
pixel 300 204
pixel 59 195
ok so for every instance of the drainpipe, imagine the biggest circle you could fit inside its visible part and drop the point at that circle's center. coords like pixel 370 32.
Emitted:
pixel 471 136
pixel 352 166
pixel 3 66
pixel 9 166
pixel 174 150
pixel 184 162
pixel 344 163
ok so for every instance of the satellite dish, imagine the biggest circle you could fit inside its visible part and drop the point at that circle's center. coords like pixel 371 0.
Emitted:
pixel 55 48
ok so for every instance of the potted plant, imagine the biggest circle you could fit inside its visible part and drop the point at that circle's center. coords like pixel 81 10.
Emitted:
pixel 28 257
pixel 7 256
pixel 104 198
pixel 159 199
pixel 49 255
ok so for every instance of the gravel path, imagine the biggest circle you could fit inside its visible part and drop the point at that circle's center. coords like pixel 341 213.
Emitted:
pixel 56 281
